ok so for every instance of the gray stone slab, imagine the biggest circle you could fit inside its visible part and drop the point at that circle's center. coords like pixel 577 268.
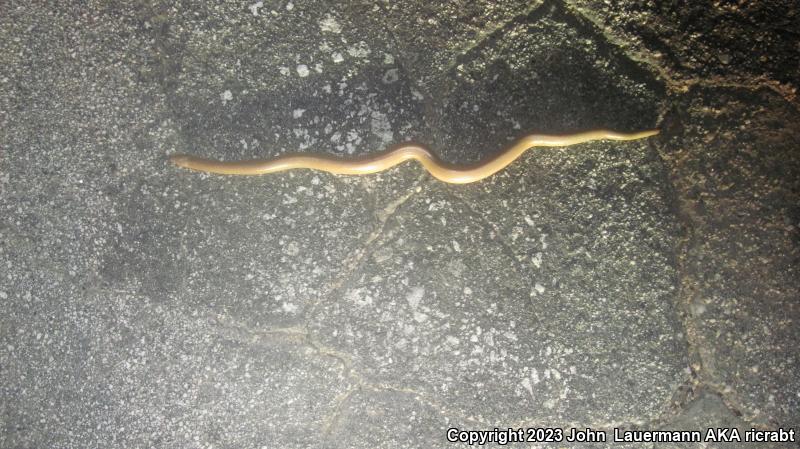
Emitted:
pixel 386 418
pixel 637 285
pixel 708 411
pixel 707 42
pixel 734 156
pixel 104 343
pixel 433 37
pixel 113 370
pixel 514 84
pixel 82 124
pixel 284 77
pixel 442 307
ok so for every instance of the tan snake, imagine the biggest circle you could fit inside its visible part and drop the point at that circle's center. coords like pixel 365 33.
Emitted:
pixel 400 153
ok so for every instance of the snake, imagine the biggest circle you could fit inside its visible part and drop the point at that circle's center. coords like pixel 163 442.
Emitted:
pixel 377 162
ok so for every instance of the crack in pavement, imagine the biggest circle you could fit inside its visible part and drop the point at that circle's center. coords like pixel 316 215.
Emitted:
pixel 701 359
pixel 351 263
pixel 646 57
pixel 505 246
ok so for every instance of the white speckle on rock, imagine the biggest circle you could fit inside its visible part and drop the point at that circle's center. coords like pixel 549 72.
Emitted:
pixel 292 249
pixel 381 127
pixel 337 57
pixel 3 295
pixel 456 246
pixel 353 140
pixel 516 232
pixel 539 288
pixel 388 59
pixel 226 96
pixel 526 384
pixel 359 296
pixel 297 113
pixel 255 6
pixel 284 71
pixel 289 6
pixel 359 50
pixel 330 25
pixel 415 296
pixel 529 221
pixel 308 139
pixel 289 307
pixel 302 70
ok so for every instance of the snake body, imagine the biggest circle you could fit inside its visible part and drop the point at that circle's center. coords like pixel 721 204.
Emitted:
pixel 400 153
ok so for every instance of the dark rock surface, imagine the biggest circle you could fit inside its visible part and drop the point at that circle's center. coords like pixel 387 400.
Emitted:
pixel 634 285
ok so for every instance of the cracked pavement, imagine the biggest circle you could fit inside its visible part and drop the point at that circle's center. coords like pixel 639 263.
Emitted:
pixel 650 285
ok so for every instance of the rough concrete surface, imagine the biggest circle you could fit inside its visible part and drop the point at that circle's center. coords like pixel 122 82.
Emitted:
pixel 639 286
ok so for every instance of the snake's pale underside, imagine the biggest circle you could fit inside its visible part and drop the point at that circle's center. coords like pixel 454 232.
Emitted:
pixel 455 174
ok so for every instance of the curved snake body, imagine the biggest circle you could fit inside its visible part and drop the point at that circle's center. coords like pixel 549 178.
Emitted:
pixel 374 163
